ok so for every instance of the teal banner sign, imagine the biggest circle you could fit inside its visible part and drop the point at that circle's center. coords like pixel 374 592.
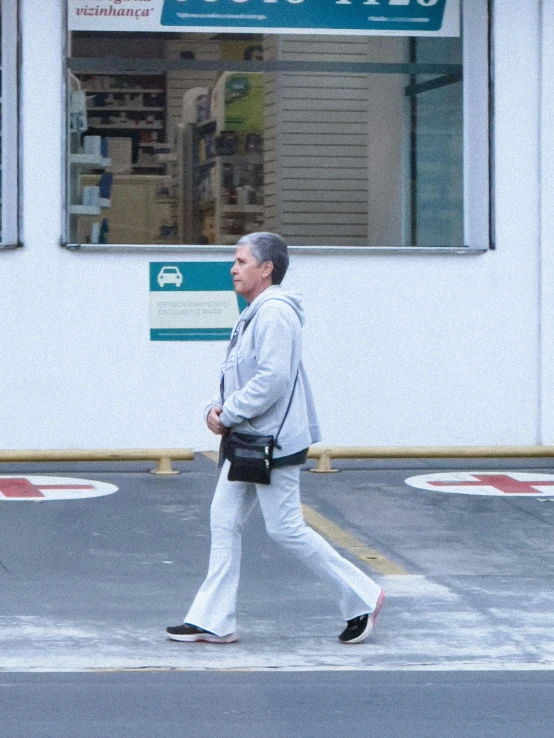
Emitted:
pixel 312 16
pixel 362 17
pixel 192 301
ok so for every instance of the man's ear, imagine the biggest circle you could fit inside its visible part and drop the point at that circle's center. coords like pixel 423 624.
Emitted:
pixel 267 269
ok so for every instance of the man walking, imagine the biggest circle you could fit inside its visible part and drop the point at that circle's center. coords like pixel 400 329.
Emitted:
pixel 263 381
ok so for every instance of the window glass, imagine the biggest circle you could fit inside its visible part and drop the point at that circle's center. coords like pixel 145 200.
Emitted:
pixel 198 138
pixel 8 121
pixel 436 145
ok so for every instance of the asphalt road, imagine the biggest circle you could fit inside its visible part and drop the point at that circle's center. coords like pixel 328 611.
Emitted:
pixel 464 646
pixel 278 705
pixel 92 583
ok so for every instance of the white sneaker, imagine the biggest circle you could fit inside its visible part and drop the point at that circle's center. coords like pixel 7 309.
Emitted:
pixel 190 633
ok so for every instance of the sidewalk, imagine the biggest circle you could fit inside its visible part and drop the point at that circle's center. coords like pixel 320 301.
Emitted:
pixel 92 583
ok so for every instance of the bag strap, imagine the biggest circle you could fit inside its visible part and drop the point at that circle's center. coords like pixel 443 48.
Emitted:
pixel 288 408
pixel 222 388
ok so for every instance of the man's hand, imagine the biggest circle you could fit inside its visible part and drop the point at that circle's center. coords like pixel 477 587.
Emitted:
pixel 214 423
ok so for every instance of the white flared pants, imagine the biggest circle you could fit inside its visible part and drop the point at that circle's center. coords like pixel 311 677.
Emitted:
pixel 214 607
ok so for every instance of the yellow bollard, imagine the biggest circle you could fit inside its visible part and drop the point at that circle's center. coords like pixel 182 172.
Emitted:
pixel 324 454
pixel 323 464
pixel 164 467
pixel 162 455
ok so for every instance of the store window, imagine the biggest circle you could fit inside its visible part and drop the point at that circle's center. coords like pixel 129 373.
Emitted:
pixel 9 123
pixel 191 137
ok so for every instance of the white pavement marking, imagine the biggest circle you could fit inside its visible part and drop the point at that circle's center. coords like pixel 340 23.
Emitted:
pixel 492 483
pixel 424 626
pixel 23 488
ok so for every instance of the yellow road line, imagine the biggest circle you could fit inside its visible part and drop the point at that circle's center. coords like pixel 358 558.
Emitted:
pixel 342 538
pixel 350 543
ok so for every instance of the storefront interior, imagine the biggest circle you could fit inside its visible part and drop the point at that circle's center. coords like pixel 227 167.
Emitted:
pixel 192 138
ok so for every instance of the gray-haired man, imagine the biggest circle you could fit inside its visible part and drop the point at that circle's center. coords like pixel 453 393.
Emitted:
pixel 262 371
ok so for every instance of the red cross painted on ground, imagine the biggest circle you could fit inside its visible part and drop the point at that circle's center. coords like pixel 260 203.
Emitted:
pixel 502 482
pixel 18 487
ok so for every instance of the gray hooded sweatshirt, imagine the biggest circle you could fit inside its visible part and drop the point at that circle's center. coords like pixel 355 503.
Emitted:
pixel 260 367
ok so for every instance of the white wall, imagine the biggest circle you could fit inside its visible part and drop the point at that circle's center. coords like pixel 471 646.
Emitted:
pixel 546 433
pixel 401 349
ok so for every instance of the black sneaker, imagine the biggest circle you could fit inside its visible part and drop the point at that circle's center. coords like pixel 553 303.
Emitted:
pixel 191 633
pixel 358 629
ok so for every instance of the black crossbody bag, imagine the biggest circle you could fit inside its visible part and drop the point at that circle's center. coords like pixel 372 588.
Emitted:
pixel 250 455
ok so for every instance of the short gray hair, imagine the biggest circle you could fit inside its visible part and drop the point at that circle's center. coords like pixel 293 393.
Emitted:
pixel 268 247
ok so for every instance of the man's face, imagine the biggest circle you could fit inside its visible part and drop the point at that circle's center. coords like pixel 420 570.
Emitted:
pixel 250 278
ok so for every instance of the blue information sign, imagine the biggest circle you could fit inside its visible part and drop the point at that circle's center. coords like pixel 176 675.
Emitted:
pixel 313 16
pixel 192 301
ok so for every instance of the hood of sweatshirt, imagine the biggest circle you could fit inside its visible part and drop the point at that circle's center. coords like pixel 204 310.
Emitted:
pixel 275 292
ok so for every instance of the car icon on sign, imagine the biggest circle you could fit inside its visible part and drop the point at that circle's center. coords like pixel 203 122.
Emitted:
pixel 170 275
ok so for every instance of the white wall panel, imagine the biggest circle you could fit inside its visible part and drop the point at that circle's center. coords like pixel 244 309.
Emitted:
pixel 547 225
pixel 314 155
pixel 401 349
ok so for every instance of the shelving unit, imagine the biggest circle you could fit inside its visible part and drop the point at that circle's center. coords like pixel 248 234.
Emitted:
pixel 226 197
pixel 141 210
pixel 81 164
pixel 130 108
pixel 85 210
pixel 129 105
pixel 90 160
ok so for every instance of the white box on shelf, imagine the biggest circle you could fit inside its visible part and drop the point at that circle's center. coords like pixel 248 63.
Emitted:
pixel 92 145
pixel 91 195
pixel 121 154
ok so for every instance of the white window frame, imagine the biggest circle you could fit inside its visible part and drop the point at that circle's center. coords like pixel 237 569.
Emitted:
pixel 10 138
pixel 477 126
pixel 477 170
